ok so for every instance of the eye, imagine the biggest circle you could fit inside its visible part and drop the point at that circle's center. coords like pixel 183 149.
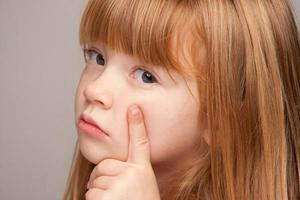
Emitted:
pixel 94 57
pixel 144 76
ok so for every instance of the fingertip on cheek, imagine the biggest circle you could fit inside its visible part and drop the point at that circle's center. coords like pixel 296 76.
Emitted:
pixel 134 110
pixel 134 114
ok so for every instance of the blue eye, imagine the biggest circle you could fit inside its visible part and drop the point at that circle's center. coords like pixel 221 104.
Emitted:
pixel 144 76
pixel 94 57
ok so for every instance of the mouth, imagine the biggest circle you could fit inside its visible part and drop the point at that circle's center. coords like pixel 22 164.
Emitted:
pixel 92 122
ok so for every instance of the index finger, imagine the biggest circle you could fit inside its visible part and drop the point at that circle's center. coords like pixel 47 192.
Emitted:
pixel 139 150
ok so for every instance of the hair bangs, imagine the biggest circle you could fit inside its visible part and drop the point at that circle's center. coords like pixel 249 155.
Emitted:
pixel 152 31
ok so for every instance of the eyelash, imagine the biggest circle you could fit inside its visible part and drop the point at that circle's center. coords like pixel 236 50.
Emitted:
pixel 88 53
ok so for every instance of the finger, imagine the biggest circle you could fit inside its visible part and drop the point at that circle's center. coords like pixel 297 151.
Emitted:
pixel 107 167
pixel 95 194
pixel 102 182
pixel 139 150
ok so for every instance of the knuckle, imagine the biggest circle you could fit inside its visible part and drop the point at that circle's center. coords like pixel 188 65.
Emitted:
pixel 106 196
pixel 91 194
pixel 101 182
pixel 142 141
pixel 103 163
pixel 107 161
pixel 95 194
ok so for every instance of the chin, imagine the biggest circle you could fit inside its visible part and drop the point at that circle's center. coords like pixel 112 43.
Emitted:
pixel 88 155
pixel 92 153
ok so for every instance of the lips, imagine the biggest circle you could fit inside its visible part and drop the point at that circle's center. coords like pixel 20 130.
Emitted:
pixel 91 121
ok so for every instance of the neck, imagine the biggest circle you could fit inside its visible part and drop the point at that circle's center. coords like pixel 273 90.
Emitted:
pixel 164 176
pixel 167 176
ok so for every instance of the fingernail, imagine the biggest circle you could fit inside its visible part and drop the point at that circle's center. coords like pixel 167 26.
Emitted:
pixel 134 111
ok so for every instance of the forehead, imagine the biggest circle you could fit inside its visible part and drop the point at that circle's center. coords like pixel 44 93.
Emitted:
pixel 131 27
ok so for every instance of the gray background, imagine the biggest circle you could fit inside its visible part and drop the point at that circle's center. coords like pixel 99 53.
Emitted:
pixel 40 65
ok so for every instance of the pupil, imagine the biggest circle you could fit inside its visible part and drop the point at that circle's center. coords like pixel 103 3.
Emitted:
pixel 147 78
pixel 100 60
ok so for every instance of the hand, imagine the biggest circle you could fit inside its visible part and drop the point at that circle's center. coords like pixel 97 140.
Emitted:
pixel 131 180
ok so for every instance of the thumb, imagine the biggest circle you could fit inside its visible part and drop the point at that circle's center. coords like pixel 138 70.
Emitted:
pixel 139 149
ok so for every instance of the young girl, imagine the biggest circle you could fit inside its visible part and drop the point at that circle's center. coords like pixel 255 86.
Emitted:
pixel 217 86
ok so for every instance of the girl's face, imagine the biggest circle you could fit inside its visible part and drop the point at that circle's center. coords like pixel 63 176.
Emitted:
pixel 111 82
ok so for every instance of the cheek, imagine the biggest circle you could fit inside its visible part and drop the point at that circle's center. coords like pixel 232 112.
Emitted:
pixel 172 130
pixel 79 98
pixel 78 105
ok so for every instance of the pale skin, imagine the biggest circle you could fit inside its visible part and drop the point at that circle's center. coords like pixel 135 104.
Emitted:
pixel 133 179
pixel 137 157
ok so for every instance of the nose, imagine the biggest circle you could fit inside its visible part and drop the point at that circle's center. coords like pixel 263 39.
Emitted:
pixel 96 92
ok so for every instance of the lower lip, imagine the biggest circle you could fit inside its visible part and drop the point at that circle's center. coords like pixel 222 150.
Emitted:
pixel 91 130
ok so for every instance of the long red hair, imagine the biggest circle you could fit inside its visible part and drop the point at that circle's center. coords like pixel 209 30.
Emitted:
pixel 246 57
